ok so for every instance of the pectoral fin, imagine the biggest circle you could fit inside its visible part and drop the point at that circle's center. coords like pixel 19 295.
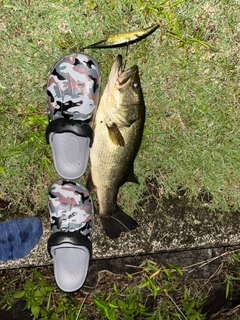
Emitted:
pixel 115 135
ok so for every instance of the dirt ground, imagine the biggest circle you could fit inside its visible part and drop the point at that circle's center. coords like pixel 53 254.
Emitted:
pixel 196 266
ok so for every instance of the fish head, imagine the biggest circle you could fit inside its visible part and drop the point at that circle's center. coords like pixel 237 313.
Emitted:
pixel 123 96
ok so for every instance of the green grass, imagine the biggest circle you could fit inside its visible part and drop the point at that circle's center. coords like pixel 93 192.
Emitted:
pixel 191 92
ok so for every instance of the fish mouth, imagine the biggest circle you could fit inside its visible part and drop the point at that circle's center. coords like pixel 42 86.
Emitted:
pixel 123 77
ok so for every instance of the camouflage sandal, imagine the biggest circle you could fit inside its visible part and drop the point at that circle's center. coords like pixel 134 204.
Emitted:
pixel 72 97
pixel 71 216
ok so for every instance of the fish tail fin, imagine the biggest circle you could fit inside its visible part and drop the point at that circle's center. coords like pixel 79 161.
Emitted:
pixel 116 223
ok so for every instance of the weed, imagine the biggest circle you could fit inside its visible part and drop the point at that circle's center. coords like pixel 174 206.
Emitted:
pixel 155 292
pixel 44 302
pixel 37 292
pixel 151 296
pixel 231 281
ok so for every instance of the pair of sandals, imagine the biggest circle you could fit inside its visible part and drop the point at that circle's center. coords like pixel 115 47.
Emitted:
pixel 72 98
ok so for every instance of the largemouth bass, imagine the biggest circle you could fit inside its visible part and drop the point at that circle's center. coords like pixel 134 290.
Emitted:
pixel 118 129
pixel 123 39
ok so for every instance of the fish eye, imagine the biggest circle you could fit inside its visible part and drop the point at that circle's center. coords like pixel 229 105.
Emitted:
pixel 135 85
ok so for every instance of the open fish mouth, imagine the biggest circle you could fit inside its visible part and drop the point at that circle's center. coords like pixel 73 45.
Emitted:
pixel 123 77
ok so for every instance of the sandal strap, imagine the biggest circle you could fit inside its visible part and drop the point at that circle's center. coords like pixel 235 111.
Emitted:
pixel 74 238
pixel 78 127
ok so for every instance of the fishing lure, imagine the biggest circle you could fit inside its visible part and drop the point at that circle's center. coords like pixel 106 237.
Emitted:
pixel 123 39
